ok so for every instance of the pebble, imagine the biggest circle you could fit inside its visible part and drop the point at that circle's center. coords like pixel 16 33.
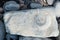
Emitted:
pixel 35 5
pixel 2 31
pixel 59 32
pixel 1 15
pixel 10 36
pixel 1 9
pixel 11 6
pixel 32 38
pixel 50 2
pixel 27 1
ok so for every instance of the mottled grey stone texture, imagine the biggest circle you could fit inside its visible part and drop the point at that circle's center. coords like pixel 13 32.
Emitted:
pixel 36 23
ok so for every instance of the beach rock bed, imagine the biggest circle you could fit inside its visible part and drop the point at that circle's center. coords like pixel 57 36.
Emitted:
pixel 24 4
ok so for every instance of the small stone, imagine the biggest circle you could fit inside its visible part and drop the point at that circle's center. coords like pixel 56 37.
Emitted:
pixel 11 6
pixel 21 1
pixel 27 1
pixel 10 36
pixel 2 31
pixel 46 39
pixel 50 2
pixel 1 15
pixel 57 9
pixel 35 5
pixel 22 6
pixel 59 32
pixel 27 38
pixel 33 38
pixel 1 9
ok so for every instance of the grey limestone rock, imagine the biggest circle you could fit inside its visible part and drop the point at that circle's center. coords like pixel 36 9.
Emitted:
pixel 35 23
